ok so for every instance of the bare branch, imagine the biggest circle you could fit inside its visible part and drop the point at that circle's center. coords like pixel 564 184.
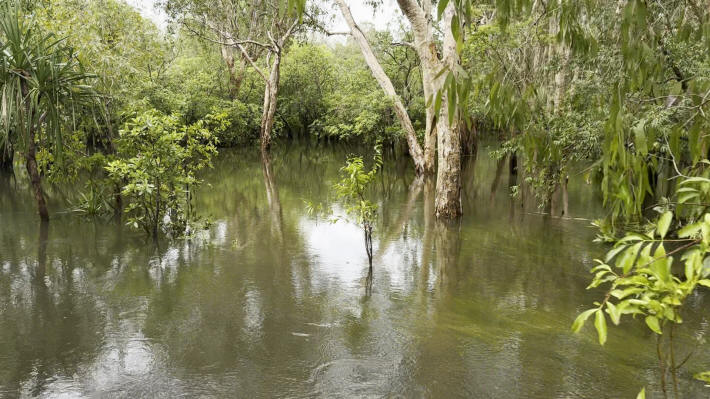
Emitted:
pixel 404 44
pixel 253 64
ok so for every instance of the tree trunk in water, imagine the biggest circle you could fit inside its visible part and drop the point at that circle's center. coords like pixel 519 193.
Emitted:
pixel 398 227
pixel 7 156
pixel 469 141
pixel 448 177
pixel 448 247
pixel 565 196
pixel 428 236
pixel 415 150
pixel 272 196
pixel 35 179
pixel 513 169
pixel 270 97
pixel 496 180
pixel 41 269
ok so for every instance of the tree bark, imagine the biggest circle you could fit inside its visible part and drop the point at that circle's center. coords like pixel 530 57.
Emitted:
pixel 448 178
pixel 448 140
pixel 418 156
pixel 271 89
pixel 31 156
pixel 35 179
pixel 236 77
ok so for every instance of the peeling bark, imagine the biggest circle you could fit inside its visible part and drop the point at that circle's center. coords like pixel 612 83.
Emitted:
pixel 418 156
pixel 448 178
pixel 236 71
pixel 271 89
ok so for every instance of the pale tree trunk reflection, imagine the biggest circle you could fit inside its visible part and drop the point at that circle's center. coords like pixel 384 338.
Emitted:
pixel 272 197
pixel 448 247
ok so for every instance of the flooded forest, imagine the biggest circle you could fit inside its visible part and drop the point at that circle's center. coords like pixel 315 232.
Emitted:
pixel 354 199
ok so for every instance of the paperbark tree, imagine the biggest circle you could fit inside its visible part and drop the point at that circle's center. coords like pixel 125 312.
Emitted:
pixel 257 30
pixel 438 124
pixel 441 132
pixel 421 164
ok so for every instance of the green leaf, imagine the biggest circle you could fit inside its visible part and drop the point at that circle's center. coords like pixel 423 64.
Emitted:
pixel 642 394
pixel 441 7
pixel 704 283
pixel 653 324
pixel 689 230
pixel 613 252
pixel 626 262
pixel 600 325
pixel 579 321
pixel 437 102
pixel 663 223
pixel 703 376
pixel 614 313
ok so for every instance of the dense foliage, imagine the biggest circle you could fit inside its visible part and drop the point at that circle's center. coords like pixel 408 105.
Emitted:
pixel 158 159
pixel 617 91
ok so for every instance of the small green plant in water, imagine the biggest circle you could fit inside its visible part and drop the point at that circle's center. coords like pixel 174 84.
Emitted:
pixel 638 274
pixel 351 190
pixel 157 166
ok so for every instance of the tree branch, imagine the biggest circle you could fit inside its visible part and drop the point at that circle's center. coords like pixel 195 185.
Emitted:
pixel 253 64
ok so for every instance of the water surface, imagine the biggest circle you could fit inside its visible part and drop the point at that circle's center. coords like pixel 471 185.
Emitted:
pixel 272 301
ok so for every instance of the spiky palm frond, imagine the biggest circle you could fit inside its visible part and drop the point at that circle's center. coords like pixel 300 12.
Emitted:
pixel 41 81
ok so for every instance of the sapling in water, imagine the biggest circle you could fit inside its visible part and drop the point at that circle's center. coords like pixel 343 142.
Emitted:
pixel 351 189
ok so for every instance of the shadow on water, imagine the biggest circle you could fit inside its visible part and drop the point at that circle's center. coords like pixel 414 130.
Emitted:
pixel 269 302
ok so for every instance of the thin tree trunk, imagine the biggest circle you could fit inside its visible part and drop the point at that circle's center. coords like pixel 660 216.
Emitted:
pixel 31 156
pixel 565 196
pixel 270 98
pixel 415 150
pixel 496 180
pixel 513 166
pixel 272 196
pixel 7 156
pixel 35 179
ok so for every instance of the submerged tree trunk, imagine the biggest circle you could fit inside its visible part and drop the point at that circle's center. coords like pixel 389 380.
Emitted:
pixel 272 196
pixel 500 165
pixel 422 164
pixel 33 173
pixel 448 247
pixel 31 155
pixel 469 141
pixel 448 178
pixel 7 156
pixel 565 195
pixel 448 140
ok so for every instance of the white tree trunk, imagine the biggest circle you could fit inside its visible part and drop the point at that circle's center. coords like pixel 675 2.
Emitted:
pixel 448 177
pixel 271 89
pixel 385 83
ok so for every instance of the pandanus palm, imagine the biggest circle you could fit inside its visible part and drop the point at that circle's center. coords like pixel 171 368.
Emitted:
pixel 40 82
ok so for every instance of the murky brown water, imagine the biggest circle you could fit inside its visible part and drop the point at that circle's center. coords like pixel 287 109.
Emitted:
pixel 272 301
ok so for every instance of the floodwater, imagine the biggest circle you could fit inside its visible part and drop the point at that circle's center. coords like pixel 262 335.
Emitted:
pixel 272 301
